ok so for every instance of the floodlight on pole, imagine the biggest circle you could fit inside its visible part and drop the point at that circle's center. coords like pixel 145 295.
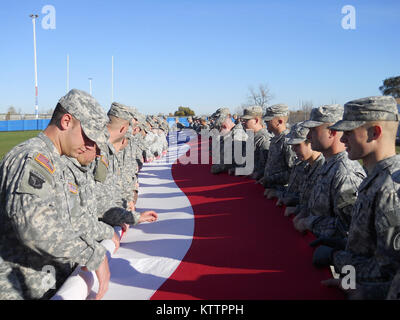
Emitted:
pixel 67 72
pixel 34 17
pixel 112 79
pixel 90 85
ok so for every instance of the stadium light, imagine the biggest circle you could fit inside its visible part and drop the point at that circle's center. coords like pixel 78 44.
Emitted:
pixel 34 17
pixel 90 85
pixel 67 73
pixel 112 79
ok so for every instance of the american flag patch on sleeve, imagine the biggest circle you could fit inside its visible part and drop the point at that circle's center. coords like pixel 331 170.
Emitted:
pixel 73 188
pixel 45 162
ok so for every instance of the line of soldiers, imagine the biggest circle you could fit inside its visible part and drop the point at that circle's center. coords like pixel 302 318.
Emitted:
pixel 62 192
pixel 314 170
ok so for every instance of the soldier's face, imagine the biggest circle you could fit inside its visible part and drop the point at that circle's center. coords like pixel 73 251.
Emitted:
pixel 356 143
pixel 320 137
pixel 121 145
pixel 117 133
pixel 303 150
pixel 76 141
pixel 88 156
pixel 249 123
pixel 273 125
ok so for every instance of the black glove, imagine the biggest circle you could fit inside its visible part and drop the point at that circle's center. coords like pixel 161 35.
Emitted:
pixel 323 256
pixel 337 243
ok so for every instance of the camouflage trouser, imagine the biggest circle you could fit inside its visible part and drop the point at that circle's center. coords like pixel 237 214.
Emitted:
pixel 9 284
pixel 324 227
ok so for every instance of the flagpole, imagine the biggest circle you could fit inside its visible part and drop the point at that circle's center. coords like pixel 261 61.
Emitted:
pixel 34 16
pixel 90 85
pixel 112 79
pixel 67 72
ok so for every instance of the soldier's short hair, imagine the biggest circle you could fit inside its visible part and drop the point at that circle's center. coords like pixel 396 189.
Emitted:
pixel 58 113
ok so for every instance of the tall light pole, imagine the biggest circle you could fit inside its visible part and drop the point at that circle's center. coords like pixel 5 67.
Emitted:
pixel 33 17
pixel 67 72
pixel 90 85
pixel 112 79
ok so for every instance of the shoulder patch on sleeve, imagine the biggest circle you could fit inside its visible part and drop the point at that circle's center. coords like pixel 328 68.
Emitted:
pixel 100 171
pixel 36 180
pixel 73 188
pixel 396 176
pixel 104 160
pixel 45 162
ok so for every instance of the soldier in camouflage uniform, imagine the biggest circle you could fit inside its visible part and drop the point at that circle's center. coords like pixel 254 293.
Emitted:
pixel 328 211
pixel 252 119
pixel 226 132
pixel 107 174
pixel 37 236
pixel 281 158
pixel 106 168
pixel 290 195
pixel 128 165
pixel 302 147
pixel 203 125
pixel 373 245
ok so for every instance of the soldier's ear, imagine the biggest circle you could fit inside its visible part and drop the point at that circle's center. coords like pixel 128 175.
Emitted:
pixel 66 121
pixel 375 132
pixel 333 132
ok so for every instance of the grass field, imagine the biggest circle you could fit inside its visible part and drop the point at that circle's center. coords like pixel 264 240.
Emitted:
pixel 10 139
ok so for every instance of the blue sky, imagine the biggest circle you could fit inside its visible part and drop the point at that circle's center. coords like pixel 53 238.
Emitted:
pixel 202 54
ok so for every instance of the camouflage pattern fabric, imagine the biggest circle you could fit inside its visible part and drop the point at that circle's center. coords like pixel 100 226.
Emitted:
pixel 373 245
pixel 35 220
pixel 280 162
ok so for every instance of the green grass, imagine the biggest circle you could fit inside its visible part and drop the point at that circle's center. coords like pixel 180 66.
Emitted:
pixel 8 140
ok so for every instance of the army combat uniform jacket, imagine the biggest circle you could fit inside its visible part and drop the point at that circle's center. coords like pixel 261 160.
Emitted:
pixel 280 162
pixel 373 245
pixel 333 196
pixel 37 237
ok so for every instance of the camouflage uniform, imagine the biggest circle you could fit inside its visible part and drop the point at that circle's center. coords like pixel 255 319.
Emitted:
pixel 9 283
pixel 261 142
pixel 235 136
pixel 82 198
pixel 290 195
pixel 373 245
pixel 311 175
pixel 281 158
pixel 109 182
pixel 107 175
pixel 203 125
pixel 332 198
pixel 36 234
pixel 374 238
pixel 129 169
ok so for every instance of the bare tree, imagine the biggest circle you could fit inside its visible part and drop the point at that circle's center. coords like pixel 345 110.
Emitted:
pixel 11 110
pixel 239 109
pixel 260 96
pixel 302 114
pixel 306 107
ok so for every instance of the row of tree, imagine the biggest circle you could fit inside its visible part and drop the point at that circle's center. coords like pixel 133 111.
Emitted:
pixel 262 96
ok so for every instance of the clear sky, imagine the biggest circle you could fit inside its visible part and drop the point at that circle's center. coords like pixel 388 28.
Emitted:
pixel 204 54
